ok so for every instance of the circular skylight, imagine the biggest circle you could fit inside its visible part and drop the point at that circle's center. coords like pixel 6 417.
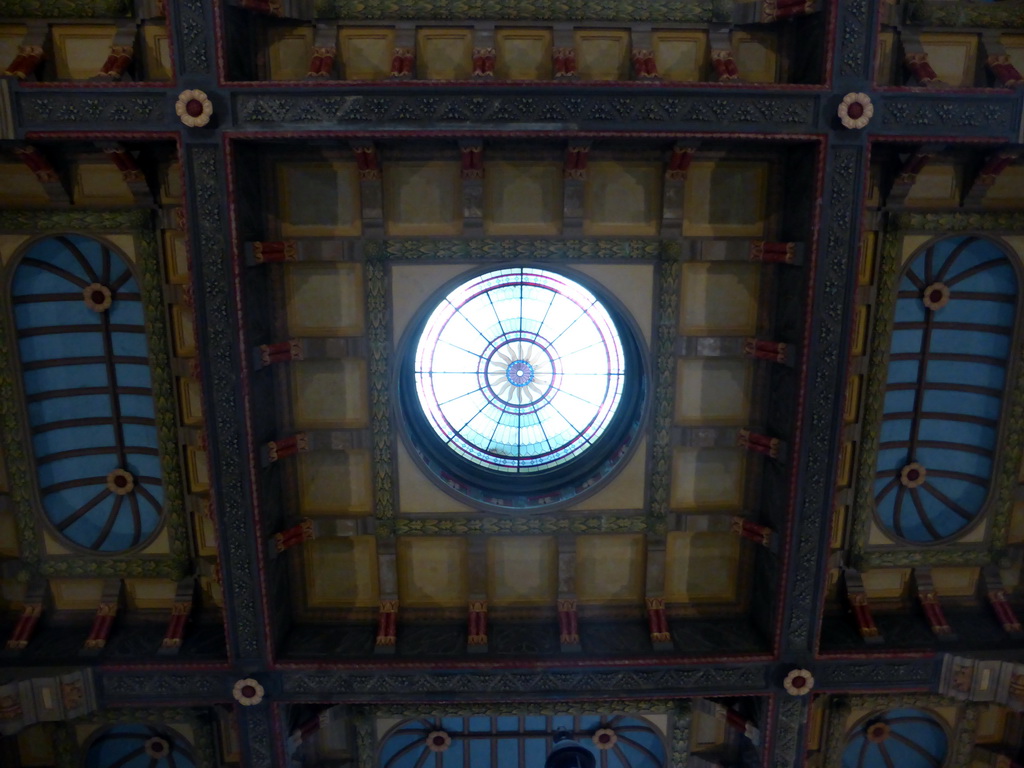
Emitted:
pixel 516 383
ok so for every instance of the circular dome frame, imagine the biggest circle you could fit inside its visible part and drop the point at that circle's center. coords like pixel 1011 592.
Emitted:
pixel 539 491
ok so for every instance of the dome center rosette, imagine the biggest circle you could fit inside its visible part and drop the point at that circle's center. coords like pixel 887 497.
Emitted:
pixel 522 388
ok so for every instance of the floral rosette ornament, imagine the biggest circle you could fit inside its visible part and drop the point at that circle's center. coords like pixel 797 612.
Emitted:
pixel 248 692
pixel 194 108
pixel 798 682
pixel 855 110
pixel 438 741
pixel 604 738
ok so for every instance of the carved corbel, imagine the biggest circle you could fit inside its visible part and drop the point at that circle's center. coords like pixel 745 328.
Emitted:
pixel 772 351
pixel 36 600
pixel 268 252
pixel 858 599
pixel 772 447
pixel 929 600
pixel 568 618
pixel 106 613
pixel 281 352
pixel 181 611
pixel 750 530
pixel 299 533
pixel 915 59
pixel 283 447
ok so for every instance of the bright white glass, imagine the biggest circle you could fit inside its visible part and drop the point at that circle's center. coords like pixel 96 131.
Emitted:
pixel 519 370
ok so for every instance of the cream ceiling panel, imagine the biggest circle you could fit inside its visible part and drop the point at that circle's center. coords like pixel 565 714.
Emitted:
pixel 708 478
pixel 330 394
pixel 719 299
pixel 423 198
pixel 341 572
pixel 325 299
pixel 702 566
pixel 713 391
pixel 335 483
pixel 432 572
pixel 522 570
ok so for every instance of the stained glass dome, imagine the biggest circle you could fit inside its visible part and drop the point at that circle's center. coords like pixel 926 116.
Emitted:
pixel 521 374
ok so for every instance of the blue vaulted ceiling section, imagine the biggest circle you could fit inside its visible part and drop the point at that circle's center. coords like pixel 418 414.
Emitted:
pixel 897 738
pixel 136 745
pixel 85 371
pixel 513 741
pixel 949 357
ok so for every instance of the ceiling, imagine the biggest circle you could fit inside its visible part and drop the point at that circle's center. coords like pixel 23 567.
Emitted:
pixel 222 539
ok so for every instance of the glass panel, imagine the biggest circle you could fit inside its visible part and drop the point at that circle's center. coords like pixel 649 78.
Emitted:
pixel 519 370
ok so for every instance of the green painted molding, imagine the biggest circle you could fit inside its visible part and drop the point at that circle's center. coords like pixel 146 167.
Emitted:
pixel 378 333
pixel 513 525
pixel 680 747
pixel 950 13
pixel 663 406
pixel 96 224
pixel 689 11
pixel 506 250
pixel 1009 453
pixel 959 221
pixel 66 9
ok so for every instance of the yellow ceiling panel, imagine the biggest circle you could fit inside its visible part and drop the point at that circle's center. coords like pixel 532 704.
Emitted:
pixel 602 54
pixel 726 198
pixel 157 52
pixel 719 299
pixel 325 299
pixel 936 186
pixel 885 583
pixel 433 572
pixel 1008 189
pixel 150 594
pixel 702 566
pixel 366 52
pixel 335 483
pixel 952 56
pixel 330 394
pixel 713 391
pixel 610 569
pixel 681 55
pixel 100 184
pixel 79 50
pixel 523 198
pixel 423 198
pixel 756 56
pixel 76 594
pixel 708 478
pixel 20 187
pixel 320 199
pixel 176 256
pixel 11 38
pixel 444 54
pixel 622 198
pixel 341 572
pixel 522 570
pixel 522 54
pixel 290 52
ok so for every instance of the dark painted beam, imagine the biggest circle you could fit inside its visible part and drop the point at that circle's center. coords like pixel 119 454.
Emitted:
pixel 369 682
